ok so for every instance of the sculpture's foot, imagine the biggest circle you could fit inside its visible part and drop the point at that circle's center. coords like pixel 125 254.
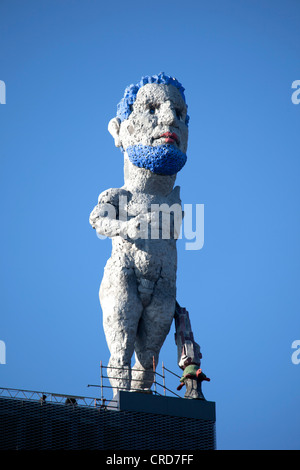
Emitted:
pixel 193 389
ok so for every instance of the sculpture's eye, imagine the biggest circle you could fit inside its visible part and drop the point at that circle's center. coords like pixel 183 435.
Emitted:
pixel 179 114
pixel 152 110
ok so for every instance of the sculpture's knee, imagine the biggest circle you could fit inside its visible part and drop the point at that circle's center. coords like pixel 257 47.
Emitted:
pixel 148 359
pixel 120 358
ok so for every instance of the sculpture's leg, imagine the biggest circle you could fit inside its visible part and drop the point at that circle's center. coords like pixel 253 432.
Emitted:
pixel 153 328
pixel 122 310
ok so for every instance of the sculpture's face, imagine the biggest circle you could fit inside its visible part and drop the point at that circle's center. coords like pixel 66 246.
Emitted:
pixel 157 118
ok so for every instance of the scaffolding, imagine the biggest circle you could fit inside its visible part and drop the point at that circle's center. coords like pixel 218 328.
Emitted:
pixel 157 385
pixel 49 397
pixel 158 388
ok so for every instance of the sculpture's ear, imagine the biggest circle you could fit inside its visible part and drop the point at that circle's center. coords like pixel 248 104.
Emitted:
pixel 114 130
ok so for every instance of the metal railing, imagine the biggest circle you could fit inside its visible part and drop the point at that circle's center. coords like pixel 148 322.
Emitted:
pixel 49 397
pixel 156 384
pixel 101 403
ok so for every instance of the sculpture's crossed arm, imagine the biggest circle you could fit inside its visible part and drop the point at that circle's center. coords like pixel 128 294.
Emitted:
pixel 105 217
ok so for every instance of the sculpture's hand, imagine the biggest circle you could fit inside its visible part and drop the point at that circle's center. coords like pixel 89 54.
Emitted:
pixel 103 218
pixel 94 215
pixel 165 224
pixel 137 227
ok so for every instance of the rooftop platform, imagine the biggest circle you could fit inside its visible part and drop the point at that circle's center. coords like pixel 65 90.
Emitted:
pixel 139 421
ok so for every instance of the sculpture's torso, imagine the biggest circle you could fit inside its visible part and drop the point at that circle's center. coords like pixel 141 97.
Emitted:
pixel 149 257
pixel 155 254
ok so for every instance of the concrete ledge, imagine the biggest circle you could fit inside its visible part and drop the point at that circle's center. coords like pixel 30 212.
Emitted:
pixel 170 406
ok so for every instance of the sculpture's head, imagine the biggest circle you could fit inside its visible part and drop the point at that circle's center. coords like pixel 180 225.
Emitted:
pixel 151 125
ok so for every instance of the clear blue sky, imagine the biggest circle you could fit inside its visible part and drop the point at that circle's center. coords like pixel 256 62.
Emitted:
pixel 65 65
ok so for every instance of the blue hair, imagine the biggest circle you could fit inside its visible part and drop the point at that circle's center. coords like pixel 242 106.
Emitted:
pixel 124 108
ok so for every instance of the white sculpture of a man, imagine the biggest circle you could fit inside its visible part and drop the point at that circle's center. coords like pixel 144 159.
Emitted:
pixel 138 290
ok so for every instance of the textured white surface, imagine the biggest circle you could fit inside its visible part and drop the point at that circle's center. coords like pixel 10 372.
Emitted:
pixel 138 289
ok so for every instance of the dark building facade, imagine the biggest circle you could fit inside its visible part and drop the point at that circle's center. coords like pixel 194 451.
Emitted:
pixel 136 422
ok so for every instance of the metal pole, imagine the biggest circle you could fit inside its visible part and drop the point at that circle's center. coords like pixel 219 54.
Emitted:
pixel 101 382
pixel 154 375
pixel 164 383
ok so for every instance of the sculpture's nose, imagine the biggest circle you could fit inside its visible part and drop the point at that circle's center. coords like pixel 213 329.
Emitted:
pixel 168 115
